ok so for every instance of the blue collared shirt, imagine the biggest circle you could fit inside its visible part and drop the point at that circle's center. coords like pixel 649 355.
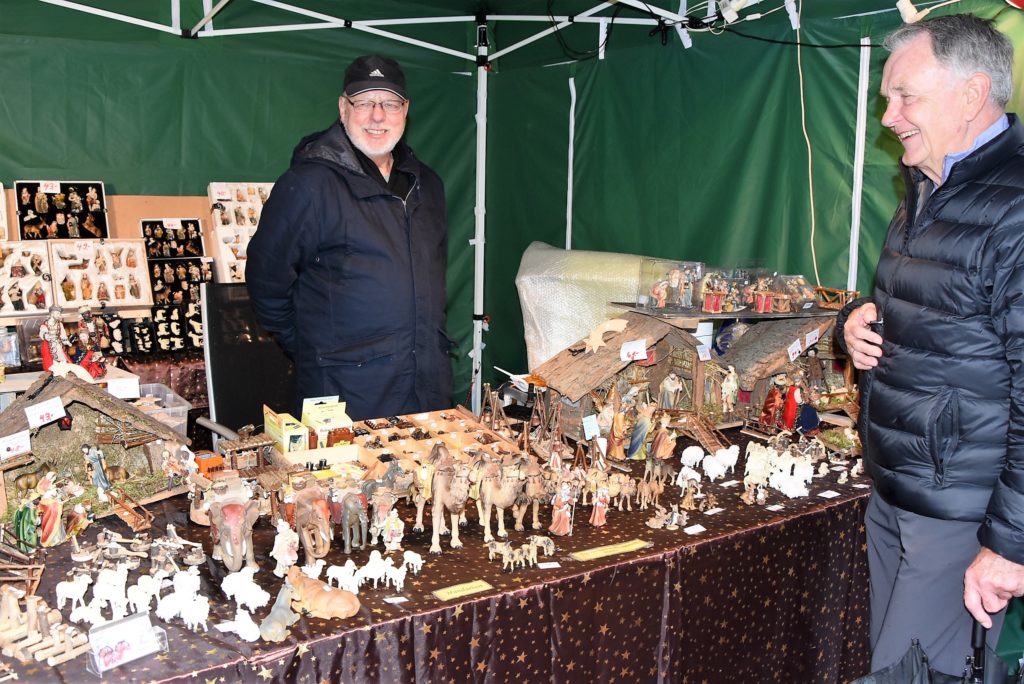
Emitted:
pixel 1001 124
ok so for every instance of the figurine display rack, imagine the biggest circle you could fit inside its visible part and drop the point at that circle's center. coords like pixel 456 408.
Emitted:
pixel 100 273
pixel 50 210
pixel 177 262
pixel 236 209
pixel 26 283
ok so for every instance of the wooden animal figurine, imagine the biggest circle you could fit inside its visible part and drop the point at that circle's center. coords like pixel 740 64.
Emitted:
pixel 319 600
pixel 275 626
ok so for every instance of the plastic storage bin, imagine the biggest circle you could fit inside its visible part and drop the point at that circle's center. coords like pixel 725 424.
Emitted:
pixel 171 409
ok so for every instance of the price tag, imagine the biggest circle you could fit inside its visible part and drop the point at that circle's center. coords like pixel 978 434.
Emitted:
pixel 634 350
pixel 730 483
pixel 712 511
pixel 808 305
pixel 13 445
pixel 549 565
pixel 395 599
pixel 811 338
pixel 172 224
pixel 124 388
pixel 828 494
pixel 703 352
pixel 862 486
pixel 794 350
pixel 590 428
pixel 694 529
pixel 773 507
pixel 49 186
pixel 45 412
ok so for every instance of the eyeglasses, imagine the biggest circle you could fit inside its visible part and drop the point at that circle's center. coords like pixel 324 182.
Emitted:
pixel 366 106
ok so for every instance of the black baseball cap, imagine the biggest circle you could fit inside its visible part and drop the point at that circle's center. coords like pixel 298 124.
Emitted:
pixel 373 72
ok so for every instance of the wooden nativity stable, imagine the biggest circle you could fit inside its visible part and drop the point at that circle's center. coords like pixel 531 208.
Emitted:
pixel 128 437
pixel 582 378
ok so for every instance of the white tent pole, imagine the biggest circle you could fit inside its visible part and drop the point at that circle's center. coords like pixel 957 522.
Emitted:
pixel 547 32
pixel 479 214
pixel 863 81
pixel 112 15
pixel 571 155
pixel 209 17
pixel 415 21
pixel 176 15
pixel 281 28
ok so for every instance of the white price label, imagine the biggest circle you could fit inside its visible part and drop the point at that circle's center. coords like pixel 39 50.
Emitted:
pixel 395 599
pixel 45 412
pixel 773 507
pixel 808 305
pixel 712 511
pixel 16 444
pixel 811 338
pixel 730 483
pixel 124 388
pixel 828 494
pixel 590 427
pixel 172 224
pixel 634 350
pixel 694 529
pixel 703 352
pixel 861 485
pixel 49 186
pixel 794 350
pixel 549 565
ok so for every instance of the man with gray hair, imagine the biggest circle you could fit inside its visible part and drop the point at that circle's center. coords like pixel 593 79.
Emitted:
pixel 942 344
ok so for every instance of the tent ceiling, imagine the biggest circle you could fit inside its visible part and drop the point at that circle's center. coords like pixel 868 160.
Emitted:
pixel 311 26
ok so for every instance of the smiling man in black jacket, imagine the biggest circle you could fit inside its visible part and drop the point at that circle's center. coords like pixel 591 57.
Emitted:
pixel 347 267
pixel 942 417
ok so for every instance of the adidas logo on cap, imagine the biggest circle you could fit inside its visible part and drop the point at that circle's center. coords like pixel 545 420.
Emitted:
pixel 376 74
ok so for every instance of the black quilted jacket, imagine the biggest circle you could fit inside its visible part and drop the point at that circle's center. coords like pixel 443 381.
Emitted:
pixel 942 415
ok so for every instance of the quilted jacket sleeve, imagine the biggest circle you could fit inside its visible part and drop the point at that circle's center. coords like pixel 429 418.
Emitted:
pixel 1003 529
pixel 288 226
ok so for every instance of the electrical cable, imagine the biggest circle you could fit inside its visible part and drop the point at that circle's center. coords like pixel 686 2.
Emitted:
pixel 571 52
pixel 807 140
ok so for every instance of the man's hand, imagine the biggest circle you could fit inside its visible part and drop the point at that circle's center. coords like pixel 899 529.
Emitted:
pixel 863 344
pixel 989 584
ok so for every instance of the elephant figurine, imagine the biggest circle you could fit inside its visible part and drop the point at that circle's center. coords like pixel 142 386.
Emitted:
pixel 313 522
pixel 231 530
pixel 350 513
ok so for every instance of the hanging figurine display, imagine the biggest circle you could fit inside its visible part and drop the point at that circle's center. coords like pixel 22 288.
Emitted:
pixel 167 238
pixel 236 213
pixel 54 210
pixel 25 268
pixel 100 273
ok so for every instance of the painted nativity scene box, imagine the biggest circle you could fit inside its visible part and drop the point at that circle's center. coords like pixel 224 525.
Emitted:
pixel 669 286
pixel 61 210
pixel 236 210
pixel 26 285
pixel 168 238
pixel 103 453
pixel 100 273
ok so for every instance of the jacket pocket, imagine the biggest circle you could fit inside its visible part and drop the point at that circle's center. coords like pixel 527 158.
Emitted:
pixel 358 353
pixel 945 431
pixel 447 344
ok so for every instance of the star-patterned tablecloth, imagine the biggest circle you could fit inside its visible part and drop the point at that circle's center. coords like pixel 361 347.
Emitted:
pixel 759 596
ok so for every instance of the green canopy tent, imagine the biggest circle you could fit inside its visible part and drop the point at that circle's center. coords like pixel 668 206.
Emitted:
pixel 623 126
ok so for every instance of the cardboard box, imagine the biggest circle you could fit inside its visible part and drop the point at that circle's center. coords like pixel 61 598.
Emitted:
pixel 324 416
pixel 288 434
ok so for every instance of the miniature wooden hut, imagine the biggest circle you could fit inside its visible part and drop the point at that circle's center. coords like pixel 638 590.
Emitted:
pixel 93 417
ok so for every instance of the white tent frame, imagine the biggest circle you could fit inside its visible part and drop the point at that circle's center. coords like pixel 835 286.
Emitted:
pixel 205 29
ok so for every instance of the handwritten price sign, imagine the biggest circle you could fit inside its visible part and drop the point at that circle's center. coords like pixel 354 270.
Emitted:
pixel 634 350
pixel 45 412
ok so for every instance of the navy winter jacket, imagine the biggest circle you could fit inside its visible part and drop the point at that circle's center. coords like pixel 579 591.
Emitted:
pixel 351 279
pixel 942 415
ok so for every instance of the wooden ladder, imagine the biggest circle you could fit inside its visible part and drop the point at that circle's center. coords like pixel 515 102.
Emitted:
pixel 125 509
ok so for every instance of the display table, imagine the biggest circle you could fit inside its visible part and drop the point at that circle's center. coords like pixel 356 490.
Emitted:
pixel 759 596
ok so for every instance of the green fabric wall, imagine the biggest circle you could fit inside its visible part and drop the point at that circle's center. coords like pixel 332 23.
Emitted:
pixel 693 154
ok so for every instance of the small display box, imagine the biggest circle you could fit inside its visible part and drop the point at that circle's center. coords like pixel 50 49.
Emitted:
pixel 162 403
pixel 669 286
